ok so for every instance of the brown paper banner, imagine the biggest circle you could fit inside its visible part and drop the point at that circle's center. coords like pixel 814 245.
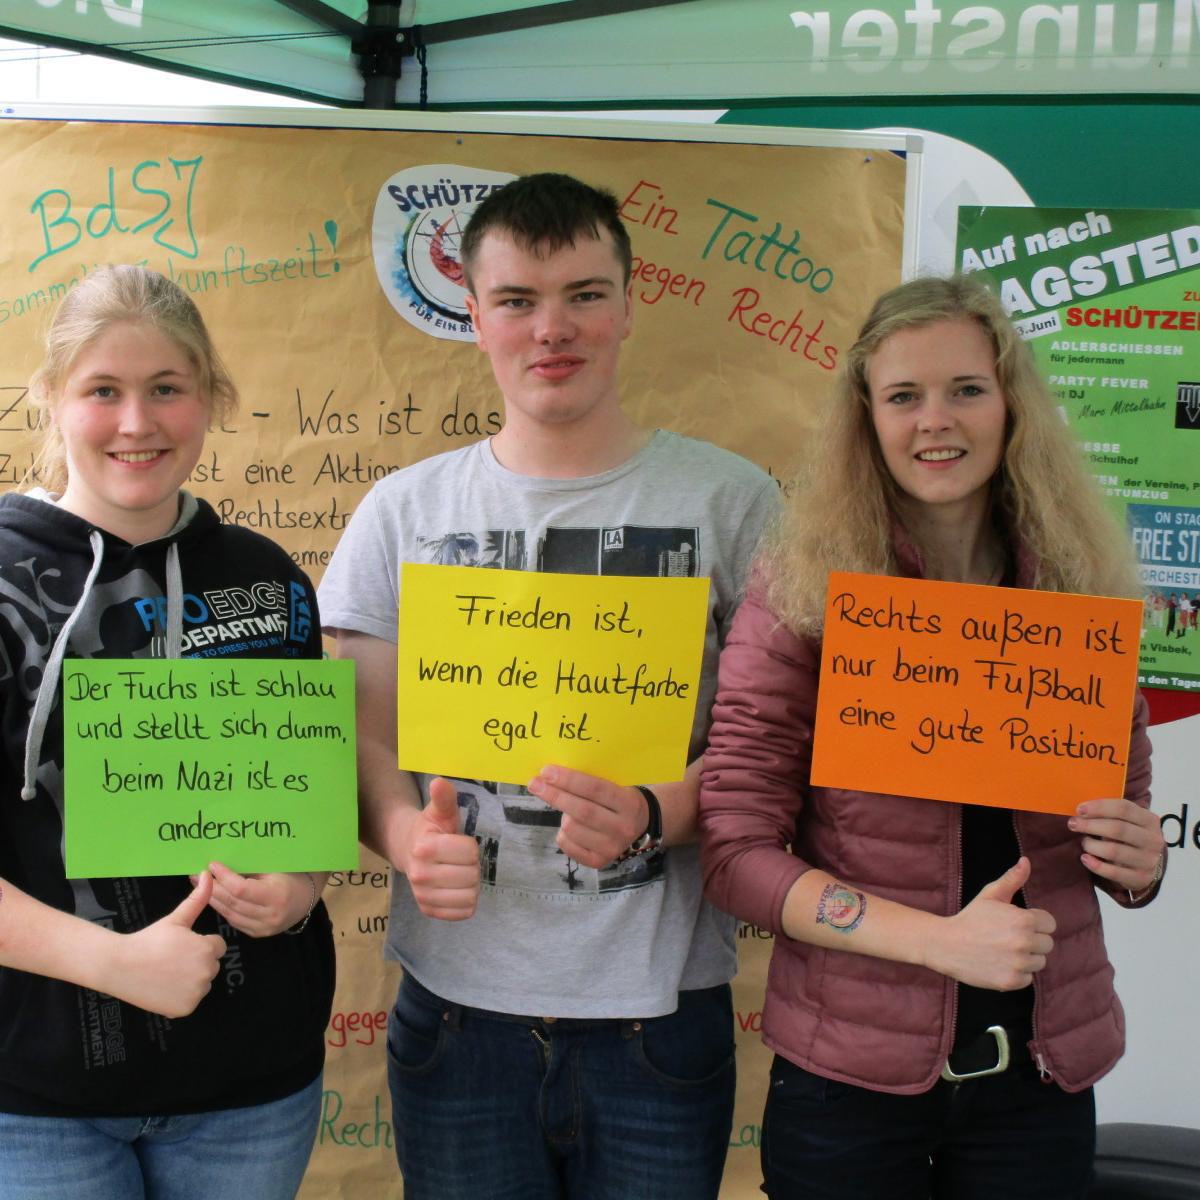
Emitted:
pixel 755 265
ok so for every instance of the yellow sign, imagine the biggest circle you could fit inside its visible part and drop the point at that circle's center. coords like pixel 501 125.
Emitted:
pixel 503 672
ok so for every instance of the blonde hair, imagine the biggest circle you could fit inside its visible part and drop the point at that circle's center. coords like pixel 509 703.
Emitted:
pixel 841 510
pixel 104 298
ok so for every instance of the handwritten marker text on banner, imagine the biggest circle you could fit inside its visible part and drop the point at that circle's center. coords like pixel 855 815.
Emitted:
pixel 175 763
pixel 502 672
pixel 982 695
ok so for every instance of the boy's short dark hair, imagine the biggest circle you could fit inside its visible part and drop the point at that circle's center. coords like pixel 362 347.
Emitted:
pixel 549 210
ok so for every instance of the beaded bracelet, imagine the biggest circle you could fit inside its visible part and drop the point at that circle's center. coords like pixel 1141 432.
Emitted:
pixel 300 925
pixel 1154 882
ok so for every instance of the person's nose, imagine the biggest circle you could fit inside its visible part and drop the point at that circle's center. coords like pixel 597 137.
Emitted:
pixel 136 417
pixel 935 414
pixel 555 324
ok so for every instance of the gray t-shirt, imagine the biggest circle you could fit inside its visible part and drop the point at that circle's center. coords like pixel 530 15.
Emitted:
pixel 550 936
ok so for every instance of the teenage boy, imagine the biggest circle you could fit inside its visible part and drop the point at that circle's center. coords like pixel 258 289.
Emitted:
pixel 564 1027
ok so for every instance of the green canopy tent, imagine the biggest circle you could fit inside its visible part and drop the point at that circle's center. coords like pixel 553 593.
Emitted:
pixel 635 53
pixel 1089 102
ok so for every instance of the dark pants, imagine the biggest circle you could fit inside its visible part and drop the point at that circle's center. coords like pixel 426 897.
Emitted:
pixel 489 1106
pixel 1001 1137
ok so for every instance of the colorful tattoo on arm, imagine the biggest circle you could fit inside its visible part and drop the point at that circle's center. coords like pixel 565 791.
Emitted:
pixel 840 908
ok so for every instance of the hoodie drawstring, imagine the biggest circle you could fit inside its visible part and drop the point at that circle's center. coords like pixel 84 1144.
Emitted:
pixel 50 677
pixel 45 698
pixel 174 603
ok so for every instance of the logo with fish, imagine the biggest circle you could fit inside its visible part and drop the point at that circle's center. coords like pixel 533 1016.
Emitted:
pixel 419 218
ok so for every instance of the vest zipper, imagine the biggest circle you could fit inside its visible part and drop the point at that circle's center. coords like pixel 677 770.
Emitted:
pixel 1044 1072
pixel 957 985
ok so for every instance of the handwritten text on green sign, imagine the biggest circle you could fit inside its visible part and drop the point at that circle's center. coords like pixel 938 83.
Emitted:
pixel 172 764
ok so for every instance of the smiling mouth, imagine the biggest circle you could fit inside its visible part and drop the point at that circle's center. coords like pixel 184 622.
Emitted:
pixel 136 456
pixel 939 455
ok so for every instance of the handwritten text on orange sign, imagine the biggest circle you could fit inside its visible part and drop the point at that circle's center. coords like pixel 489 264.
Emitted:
pixel 984 695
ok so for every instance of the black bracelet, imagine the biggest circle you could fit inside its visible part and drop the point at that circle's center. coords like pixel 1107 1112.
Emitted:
pixel 652 839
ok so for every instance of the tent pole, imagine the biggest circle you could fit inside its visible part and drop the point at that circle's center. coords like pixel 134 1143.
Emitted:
pixel 380 49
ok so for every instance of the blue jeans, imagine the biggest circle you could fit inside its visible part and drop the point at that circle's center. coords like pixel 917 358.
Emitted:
pixel 994 1138
pixel 489 1106
pixel 255 1153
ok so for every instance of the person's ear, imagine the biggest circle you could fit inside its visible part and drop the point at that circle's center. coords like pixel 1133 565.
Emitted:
pixel 473 313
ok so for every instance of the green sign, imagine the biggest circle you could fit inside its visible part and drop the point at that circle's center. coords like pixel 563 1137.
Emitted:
pixel 1109 302
pixel 175 763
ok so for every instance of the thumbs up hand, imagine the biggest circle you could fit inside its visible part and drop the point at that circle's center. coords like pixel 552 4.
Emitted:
pixel 442 864
pixel 168 968
pixel 993 943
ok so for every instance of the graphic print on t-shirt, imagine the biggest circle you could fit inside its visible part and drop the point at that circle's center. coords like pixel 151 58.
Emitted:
pixel 515 830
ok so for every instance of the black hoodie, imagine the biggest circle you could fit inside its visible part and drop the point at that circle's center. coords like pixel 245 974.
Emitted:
pixel 69 1051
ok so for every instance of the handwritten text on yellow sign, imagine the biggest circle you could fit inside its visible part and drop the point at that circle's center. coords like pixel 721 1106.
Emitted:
pixel 501 672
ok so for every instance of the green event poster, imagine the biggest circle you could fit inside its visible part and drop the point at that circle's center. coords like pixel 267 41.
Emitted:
pixel 175 763
pixel 1109 302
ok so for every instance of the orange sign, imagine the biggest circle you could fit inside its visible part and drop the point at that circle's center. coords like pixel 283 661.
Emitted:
pixel 982 695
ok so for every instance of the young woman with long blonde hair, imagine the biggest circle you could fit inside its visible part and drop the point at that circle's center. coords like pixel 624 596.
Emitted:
pixel 940 1001
pixel 160 1038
